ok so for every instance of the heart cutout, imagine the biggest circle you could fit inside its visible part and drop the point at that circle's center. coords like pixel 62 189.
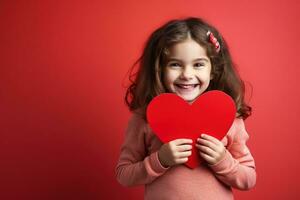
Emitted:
pixel 171 117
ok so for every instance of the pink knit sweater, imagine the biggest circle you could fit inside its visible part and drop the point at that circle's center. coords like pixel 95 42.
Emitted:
pixel 138 164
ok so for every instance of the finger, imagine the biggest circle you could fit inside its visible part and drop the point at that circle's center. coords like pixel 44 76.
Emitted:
pixel 183 141
pixel 211 138
pixel 207 143
pixel 206 157
pixel 206 150
pixel 181 160
pixel 185 147
pixel 184 154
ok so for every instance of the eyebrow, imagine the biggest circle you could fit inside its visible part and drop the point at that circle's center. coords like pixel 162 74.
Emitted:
pixel 197 59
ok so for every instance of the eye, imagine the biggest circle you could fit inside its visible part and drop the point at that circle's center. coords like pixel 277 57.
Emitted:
pixel 174 65
pixel 199 65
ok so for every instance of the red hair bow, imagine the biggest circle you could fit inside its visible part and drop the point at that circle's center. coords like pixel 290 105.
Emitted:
pixel 214 40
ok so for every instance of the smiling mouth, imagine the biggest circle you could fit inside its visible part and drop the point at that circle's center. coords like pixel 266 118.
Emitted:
pixel 186 86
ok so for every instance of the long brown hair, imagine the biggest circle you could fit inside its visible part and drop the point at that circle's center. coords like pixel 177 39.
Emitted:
pixel 146 82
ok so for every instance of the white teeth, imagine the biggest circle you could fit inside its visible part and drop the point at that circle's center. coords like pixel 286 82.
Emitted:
pixel 186 86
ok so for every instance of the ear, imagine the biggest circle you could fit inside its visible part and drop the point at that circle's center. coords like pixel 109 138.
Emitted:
pixel 211 76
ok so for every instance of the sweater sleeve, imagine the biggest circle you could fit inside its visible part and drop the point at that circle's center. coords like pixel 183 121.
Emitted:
pixel 237 168
pixel 135 167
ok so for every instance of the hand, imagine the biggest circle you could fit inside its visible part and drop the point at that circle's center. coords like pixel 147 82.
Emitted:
pixel 175 152
pixel 210 149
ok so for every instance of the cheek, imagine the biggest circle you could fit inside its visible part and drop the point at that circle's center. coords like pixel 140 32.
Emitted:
pixel 169 77
pixel 205 75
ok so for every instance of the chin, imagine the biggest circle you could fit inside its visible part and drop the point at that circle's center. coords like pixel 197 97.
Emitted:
pixel 189 99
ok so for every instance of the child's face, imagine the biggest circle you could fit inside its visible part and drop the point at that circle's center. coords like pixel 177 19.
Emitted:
pixel 188 70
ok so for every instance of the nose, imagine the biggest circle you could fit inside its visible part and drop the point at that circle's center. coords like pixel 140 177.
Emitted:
pixel 187 73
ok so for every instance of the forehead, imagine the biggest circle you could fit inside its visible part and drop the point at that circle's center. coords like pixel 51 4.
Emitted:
pixel 188 49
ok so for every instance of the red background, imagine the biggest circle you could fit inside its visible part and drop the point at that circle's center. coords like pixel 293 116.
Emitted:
pixel 62 70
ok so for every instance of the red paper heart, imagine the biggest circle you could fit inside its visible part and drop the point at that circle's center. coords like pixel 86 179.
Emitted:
pixel 171 117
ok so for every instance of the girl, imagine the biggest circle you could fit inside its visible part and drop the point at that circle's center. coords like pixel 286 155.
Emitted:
pixel 187 57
